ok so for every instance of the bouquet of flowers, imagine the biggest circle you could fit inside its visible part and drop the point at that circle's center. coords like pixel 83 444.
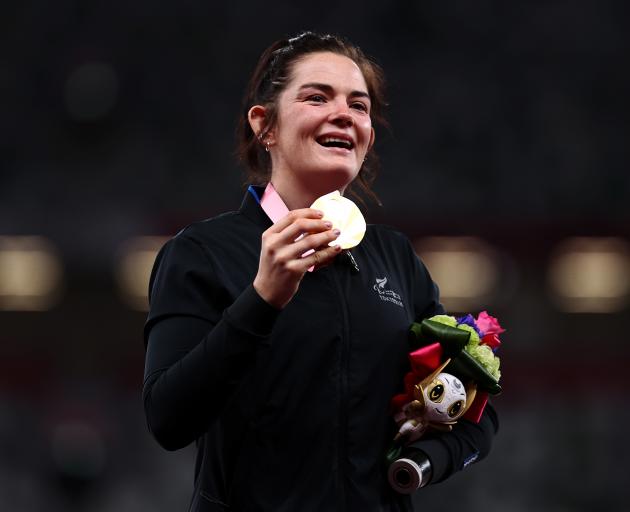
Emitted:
pixel 454 368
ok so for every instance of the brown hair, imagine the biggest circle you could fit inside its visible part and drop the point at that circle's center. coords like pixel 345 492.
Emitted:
pixel 270 77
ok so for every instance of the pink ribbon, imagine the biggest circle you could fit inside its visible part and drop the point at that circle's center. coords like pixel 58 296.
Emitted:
pixel 273 205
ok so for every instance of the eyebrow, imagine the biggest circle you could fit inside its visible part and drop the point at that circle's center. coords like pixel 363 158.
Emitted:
pixel 329 90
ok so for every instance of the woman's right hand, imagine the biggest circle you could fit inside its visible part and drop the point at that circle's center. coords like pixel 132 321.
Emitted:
pixel 281 266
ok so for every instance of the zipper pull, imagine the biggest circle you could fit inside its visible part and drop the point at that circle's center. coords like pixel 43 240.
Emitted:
pixel 352 262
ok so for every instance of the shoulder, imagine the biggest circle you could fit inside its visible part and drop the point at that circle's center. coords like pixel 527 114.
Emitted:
pixel 204 230
pixel 388 237
pixel 388 246
pixel 222 248
pixel 395 245
pixel 192 254
pixel 226 231
pixel 190 245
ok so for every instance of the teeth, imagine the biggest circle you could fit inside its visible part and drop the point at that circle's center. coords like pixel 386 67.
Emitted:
pixel 335 140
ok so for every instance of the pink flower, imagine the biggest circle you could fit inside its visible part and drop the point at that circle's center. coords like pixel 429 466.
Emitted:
pixel 490 328
pixel 488 324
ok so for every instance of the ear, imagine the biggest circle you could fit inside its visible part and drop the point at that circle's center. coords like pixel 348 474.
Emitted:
pixel 428 379
pixel 372 138
pixel 257 116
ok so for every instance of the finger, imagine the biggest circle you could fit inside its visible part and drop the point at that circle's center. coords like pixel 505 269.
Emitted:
pixel 301 228
pixel 291 256
pixel 321 258
pixel 312 242
pixel 292 216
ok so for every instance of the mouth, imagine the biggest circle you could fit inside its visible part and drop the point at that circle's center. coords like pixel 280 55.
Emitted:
pixel 335 141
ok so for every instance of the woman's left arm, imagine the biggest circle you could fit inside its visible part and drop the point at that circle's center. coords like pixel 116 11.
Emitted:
pixel 468 442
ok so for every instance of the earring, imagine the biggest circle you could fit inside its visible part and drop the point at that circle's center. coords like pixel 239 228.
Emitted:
pixel 264 142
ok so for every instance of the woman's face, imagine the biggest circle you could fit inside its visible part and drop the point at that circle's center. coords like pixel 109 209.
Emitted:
pixel 323 129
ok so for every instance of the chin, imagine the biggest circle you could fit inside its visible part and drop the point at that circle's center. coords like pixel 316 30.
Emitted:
pixel 335 178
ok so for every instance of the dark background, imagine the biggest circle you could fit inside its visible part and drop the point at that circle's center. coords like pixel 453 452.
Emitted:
pixel 117 119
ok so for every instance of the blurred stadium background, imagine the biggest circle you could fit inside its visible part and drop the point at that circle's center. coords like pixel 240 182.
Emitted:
pixel 505 165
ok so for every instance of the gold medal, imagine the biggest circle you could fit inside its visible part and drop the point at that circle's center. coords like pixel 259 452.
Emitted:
pixel 345 216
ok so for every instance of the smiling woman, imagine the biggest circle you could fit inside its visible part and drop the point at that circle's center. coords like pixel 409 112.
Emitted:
pixel 323 128
pixel 264 344
pixel 282 63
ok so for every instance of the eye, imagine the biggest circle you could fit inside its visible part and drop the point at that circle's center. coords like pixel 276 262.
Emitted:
pixel 455 408
pixel 357 105
pixel 316 98
pixel 436 391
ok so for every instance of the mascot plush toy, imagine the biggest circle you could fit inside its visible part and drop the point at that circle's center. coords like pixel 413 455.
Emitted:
pixel 440 399
pixel 453 370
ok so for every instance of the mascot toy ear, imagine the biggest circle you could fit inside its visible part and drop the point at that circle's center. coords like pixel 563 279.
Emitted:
pixel 418 388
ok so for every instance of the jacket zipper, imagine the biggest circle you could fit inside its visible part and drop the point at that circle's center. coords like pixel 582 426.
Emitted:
pixel 342 412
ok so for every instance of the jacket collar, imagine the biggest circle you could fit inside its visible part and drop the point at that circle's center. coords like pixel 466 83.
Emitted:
pixel 250 207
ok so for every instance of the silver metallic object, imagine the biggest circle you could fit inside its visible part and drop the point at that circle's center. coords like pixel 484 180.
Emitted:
pixel 410 473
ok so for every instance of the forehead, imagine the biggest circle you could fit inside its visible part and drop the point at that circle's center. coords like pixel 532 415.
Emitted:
pixel 327 68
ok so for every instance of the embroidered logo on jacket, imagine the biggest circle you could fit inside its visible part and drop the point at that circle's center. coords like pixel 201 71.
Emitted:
pixel 385 294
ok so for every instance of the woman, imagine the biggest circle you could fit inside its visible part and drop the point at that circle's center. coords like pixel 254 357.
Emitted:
pixel 283 376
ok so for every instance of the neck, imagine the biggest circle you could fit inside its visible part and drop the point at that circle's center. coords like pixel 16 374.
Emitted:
pixel 297 194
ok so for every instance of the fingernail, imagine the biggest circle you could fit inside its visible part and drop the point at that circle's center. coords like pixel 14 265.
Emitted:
pixel 328 224
pixel 336 232
pixel 319 213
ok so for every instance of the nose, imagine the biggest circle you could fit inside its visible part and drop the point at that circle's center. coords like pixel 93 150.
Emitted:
pixel 341 115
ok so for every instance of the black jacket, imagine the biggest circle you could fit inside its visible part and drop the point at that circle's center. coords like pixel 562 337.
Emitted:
pixel 290 409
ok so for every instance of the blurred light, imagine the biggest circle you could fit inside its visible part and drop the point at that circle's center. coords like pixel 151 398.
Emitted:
pixel 30 274
pixel 134 269
pixel 91 91
pixel 591 275
pixel 464 268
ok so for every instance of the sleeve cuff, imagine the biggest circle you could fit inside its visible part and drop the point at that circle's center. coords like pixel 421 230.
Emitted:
pixel 251 313
pixel 437 454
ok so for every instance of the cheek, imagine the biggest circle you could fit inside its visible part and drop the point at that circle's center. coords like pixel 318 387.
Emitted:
pixel 306 120
pixel 294 123
pixel 364 128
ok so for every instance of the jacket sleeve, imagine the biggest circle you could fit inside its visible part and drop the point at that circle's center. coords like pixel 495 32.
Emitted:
pixel 199 346
pixel 468 442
